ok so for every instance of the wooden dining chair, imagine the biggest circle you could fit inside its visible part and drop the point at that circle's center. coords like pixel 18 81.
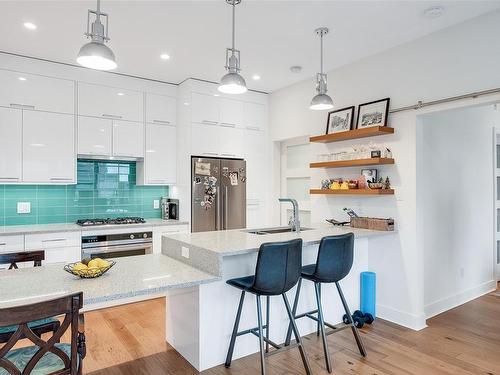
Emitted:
pixel 44 357
pixel 39 327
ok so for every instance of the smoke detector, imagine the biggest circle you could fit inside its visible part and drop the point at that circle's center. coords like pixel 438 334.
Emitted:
pixel 434 12
pixel 296 69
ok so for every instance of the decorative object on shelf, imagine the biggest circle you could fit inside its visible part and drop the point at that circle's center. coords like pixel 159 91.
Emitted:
pixel 355 152
pixel 353 184
pixel 362 184
pixel 376 185
pixel 325 184
pixel 340 120
pixel 372 223
pixel 344 185
pixel 370 175
pixel 321 100
pixel 376 154
pixel 89 268
pixel 387 183
pixel 95 54
pixel 373 114
pixel 335 185
pixel 233 82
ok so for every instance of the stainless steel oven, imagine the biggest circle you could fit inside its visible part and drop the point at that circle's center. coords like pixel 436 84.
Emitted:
pixel 117 245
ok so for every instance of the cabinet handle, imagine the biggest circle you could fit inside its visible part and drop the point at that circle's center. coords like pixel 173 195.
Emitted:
pixel 9 178
pixel 3 244
pixel 210 153
pixel 209 122
pixel 22 106
pixel 55 240
pixel 162 122
pixel 252 127
pixel 159 181
pixel 228 154
pixel 112 116
pixel 227 125
pixel 60 179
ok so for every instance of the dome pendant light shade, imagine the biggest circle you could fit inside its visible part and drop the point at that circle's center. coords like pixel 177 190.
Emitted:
pixel 321 101
pixel 233 82
pixel 95 54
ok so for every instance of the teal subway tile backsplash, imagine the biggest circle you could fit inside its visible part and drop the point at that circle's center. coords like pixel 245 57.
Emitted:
pixel 104 189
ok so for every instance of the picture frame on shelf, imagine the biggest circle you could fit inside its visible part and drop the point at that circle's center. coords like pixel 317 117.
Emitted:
pixel 373 114
pixel 340 120
pixel 371 175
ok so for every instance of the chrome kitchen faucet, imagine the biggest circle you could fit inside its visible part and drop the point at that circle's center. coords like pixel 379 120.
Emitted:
pixel 294 221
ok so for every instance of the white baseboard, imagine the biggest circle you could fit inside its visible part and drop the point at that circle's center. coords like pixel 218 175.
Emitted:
pixel 403 318
pixel 447 303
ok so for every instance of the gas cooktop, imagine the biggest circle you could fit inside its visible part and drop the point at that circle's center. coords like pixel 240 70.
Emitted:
pixel 119 220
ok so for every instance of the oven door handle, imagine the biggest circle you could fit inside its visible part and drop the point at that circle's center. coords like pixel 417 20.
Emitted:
pixel 115 249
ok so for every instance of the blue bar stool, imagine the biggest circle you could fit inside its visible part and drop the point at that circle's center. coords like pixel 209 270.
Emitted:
pixel 277 271
pixel 334 262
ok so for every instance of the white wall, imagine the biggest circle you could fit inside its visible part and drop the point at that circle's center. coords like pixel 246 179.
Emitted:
pixel 455 181
pixel 453 61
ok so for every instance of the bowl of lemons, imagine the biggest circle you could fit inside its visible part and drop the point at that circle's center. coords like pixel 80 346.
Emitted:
pixel 89 268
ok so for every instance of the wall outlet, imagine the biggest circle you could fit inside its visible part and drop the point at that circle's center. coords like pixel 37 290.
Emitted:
pixel 185 252
pixel 23 207
pixel 156 204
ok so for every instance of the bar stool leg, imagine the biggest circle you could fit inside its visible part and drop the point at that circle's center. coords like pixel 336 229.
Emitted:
pixel 294 312
pixel 317 326
pixel 261 336
pixel 235 331
pixel 355 332
pixel 267 323
pixel 297 336
pixel 321 321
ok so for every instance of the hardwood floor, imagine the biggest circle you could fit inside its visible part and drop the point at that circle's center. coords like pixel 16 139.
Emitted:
pixel 464 341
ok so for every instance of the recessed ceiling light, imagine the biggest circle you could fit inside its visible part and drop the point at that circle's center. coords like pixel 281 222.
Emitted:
pixel 216 94
pixel 296 69
pixel 255 77
pixel 434 12
pixel 186 103
pixel 120 94
pixel 165 56
pixel 30 25
pixel 22 79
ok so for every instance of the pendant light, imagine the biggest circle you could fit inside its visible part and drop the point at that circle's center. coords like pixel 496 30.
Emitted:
pixel 95 54
pixel 321 101
pixel 233 82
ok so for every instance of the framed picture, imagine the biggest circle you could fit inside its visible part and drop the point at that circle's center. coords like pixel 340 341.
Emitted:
pixel 340 120
pixel 373 114
pixel 369 174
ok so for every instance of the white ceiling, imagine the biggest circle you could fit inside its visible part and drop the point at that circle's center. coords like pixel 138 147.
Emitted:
pixel 272 35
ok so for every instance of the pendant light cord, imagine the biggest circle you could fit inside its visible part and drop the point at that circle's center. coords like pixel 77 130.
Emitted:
pixel 98 10
pixel 234 16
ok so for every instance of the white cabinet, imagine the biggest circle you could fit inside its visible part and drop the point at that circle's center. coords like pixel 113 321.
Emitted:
pixel 205 108
pixel 11 145
pixel 230 141
pixel 255 213
pixel 10 244
pixel 160 161
pixel 58 247
pixel 94 136
pixel 254 116
pixel 255 156
pixel 160 231
pixel 128 139
pixel 161 109
pixel 110 102
pixel 48 147
pixel 30 91
pixel 204 140
pixel 231 112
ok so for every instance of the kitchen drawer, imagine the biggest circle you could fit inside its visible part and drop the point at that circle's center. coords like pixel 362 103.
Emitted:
pixel 52 240
pixel 63 255
pixel 9 244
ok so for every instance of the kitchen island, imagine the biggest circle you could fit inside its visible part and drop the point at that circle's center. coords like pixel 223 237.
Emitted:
pixel 200 319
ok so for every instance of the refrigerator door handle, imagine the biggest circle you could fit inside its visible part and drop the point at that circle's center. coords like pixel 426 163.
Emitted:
pixel 217 208
pixel 225 207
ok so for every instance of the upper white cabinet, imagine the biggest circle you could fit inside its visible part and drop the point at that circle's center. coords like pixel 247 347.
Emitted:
pixel 205 108
pixel 255 155
pixel 231 112
pixel 216 140
pixel 48 147
pixel 128 139
pixel 254 116
pixel 161 109
pixel 110 102
pixel 160 161
pixel 29 91
pixel 11 145
pixel 94 136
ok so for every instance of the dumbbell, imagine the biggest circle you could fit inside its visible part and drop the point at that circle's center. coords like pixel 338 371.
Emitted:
pixel 359 319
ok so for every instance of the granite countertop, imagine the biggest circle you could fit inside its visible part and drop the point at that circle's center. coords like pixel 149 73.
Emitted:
pixel 130 277
pixel 239 241
pixel 51 228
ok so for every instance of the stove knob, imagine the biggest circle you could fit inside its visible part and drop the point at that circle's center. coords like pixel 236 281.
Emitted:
pixel 145 235
pixel 132 236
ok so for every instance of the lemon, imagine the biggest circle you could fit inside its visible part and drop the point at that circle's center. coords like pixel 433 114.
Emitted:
pixel 94 263
pixel 102 262
pixel 79 267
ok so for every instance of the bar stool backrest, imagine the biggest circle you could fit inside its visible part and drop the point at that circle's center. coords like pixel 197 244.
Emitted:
pixel 278 267
pixel 335 257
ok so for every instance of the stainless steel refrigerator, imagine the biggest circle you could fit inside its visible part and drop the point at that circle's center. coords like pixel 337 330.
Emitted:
pixel 218 194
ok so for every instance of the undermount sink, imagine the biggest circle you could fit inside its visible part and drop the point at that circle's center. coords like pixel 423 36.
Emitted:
pixel 274 230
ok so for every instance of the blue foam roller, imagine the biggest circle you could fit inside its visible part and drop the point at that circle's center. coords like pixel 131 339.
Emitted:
pixel 368 292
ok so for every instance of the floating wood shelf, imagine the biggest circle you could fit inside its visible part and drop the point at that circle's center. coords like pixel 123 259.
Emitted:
pixel 352 134
pixel 353 192
pixel 351 163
